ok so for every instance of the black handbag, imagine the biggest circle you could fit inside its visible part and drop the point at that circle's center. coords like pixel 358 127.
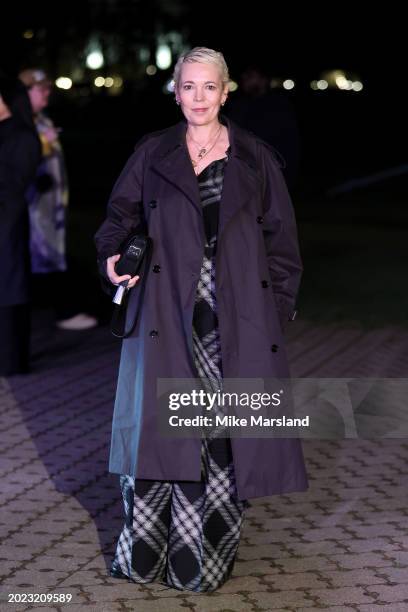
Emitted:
pixel 136 254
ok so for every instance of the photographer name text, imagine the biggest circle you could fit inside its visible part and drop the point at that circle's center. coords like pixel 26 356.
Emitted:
pixel 233 421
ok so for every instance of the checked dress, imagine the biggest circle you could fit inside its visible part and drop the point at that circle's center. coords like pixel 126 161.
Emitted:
pixel 186 534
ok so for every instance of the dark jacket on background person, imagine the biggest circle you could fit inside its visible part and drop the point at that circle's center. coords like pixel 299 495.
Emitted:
pixel 258 271
pixel 270 116
pixel 20 154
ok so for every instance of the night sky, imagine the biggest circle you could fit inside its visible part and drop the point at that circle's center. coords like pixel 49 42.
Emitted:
pixel 364 133
pixel 292 37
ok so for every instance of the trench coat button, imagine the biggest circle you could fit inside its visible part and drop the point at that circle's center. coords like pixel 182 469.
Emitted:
pixel 274 348
pixel 154 333
pixel 265 284
pixel 156 268
pixel 259 219
pixel 153 203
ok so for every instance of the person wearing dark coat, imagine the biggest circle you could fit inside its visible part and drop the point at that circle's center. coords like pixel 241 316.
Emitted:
pixel 269 114
pixel 20 154
pixel 221 287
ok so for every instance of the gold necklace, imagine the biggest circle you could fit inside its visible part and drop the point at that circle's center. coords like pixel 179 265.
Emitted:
pixel 203 151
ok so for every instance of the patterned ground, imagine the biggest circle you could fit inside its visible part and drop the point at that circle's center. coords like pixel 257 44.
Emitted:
pixel 341 546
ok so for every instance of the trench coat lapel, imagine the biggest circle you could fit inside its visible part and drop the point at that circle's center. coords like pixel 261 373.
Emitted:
pixel 241 178
pixel 172 162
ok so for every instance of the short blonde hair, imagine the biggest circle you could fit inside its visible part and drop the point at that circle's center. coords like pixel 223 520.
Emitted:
pixel 205 56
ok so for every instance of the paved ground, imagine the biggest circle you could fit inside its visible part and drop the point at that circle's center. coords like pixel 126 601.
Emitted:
pixel 341 546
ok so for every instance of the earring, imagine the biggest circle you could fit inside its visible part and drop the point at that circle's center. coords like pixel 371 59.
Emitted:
pixel 178 102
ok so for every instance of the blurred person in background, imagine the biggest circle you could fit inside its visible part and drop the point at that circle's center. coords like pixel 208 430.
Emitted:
pixel 48 199
pixel 20 154
pixel 269 114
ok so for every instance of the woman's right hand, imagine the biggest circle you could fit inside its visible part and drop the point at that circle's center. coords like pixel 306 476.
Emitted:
pixel 114 278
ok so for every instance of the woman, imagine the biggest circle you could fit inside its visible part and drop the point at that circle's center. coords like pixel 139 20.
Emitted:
pixel 224 276
pixel 19 157
pixel 48 202
pixel 49 194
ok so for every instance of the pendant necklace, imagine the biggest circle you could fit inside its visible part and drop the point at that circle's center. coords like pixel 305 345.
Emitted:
pixel 203 151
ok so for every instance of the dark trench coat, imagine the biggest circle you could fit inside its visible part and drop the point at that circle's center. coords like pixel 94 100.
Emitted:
pixel 257 242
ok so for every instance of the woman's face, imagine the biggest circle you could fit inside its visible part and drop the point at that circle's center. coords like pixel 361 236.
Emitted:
pixel 39 97
pixel 200 92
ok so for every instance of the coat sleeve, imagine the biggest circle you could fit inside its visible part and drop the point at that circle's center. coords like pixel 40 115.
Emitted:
pixel 124 214
pixel 280 236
